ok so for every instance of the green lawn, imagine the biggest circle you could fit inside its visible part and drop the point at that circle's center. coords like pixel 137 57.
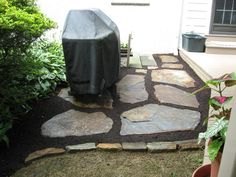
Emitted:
pixel 115 164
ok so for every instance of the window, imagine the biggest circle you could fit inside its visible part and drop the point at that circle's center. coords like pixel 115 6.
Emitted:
pixel 223 17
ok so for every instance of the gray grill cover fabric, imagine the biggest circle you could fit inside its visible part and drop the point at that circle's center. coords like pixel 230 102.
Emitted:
pixel 91 45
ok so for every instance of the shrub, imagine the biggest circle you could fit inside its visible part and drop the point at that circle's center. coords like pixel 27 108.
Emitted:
pixel 21 23
pixel 34 76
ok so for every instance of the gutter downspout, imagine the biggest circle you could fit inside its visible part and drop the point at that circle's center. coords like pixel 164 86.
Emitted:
pixel 180 25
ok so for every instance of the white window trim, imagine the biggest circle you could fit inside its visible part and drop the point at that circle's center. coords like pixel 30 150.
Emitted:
pixel 222 29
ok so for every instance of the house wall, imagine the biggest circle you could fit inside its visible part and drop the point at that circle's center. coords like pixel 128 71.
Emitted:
pixel 155 28
pixel 196 16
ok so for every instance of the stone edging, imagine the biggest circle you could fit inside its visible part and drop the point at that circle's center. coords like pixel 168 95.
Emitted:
pixel 127 146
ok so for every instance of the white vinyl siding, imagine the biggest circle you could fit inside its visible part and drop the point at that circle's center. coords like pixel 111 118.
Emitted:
pixel 196 16
pixel 154 27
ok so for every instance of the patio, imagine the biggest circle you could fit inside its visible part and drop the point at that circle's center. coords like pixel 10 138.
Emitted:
pixel 151 109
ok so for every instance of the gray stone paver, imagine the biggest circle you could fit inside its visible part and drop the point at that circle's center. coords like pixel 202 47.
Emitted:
pixel 152 67
pixel 172 66
pixel 142 71
pixel 134 62
pixel 134 146
pixel 159 146
pixel 165 119
pixel 138 115
pixel 76 123
pixel 173 95
pixel 169 59
pixel 148 60
pixel 81 147
pixel 43 152
pixel 171 76
pixel 109 146
pixel 131 89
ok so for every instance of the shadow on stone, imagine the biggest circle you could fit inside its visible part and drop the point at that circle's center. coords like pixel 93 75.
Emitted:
pixel 103 100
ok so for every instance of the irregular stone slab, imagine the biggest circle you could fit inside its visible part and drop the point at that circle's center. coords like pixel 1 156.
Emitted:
pixel 169 76
pixel 160 146
pixel 152 67
pixel 134 62
pixel 165 119
pixel 173 95
pixel 131 89
pixel 81 147
pixel 148 60
pixel 43 152
pixel 168 59
pixel 142 71
pixel 103 100
pixel 107 146
pixel 134 146
pixel 172 66
pixel 138 115
pixel 76 123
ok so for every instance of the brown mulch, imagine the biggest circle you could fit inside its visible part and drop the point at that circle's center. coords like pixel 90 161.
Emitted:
pixel 25 136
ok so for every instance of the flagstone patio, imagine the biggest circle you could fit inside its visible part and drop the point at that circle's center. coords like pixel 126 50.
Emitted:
pixel 169 87
pixel 150 108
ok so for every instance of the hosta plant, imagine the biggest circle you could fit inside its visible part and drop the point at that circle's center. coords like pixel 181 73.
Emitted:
pixel 221 112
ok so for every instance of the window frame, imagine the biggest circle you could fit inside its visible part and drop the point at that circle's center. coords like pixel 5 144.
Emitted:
pixel 220 29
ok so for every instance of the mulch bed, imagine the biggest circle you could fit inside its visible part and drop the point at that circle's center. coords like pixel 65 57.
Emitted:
pixel 25 136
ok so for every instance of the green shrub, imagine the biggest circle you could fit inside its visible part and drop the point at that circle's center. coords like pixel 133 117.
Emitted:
pixel 22 74
pixel 34 76
pixel 21 23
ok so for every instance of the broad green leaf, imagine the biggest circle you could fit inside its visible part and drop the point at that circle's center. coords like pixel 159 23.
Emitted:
pixel 230 79
pixel 213 148
pixel 214 82
pixel 227 78
pixel 223 132
pixel 214 129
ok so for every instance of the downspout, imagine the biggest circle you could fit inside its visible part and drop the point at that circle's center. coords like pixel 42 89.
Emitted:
pixel 180 25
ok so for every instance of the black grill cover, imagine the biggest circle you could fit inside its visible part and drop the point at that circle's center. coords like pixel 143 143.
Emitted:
pixel 91 45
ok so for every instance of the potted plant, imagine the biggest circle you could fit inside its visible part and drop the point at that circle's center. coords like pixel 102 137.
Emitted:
pixel 124 49
pixel 216 133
